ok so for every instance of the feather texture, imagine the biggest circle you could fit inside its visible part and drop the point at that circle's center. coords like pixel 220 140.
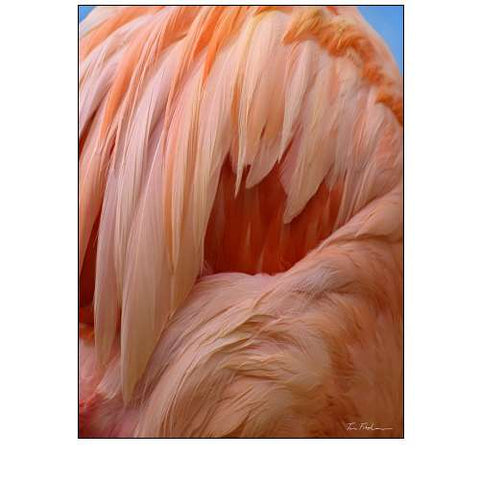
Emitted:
pixel 243 166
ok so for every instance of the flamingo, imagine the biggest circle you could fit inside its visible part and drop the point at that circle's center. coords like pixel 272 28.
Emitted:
pixel 240 224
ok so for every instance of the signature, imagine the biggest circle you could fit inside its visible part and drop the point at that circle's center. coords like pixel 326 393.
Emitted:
pixel 367 426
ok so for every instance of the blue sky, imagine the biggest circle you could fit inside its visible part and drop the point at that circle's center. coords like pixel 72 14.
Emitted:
pixel 387 21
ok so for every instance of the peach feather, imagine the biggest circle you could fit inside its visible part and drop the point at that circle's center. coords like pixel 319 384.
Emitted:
pixel 241 223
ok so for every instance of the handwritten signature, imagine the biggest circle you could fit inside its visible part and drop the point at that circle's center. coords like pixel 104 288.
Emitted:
pixel 367 426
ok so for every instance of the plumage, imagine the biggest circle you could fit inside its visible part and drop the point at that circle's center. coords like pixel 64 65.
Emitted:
pixel 241 223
